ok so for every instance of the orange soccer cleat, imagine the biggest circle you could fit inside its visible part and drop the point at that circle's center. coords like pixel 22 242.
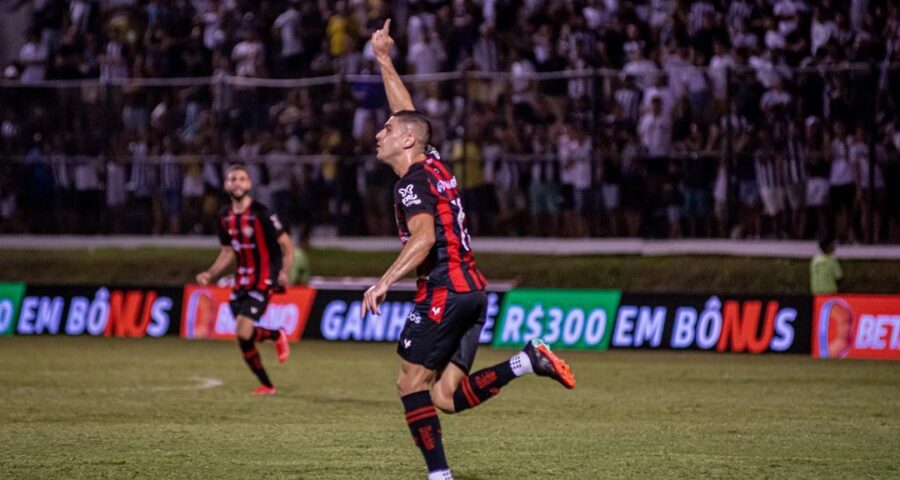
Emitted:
pixel 264 390
pixel 282 346
pixel 546 364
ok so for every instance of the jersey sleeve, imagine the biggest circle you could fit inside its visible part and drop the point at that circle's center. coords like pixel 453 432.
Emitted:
pixel 224 237
pixel 414 195
pixel 272 224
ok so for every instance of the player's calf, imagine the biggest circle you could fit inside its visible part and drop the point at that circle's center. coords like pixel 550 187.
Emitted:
pixel 251 357
pixel 485 384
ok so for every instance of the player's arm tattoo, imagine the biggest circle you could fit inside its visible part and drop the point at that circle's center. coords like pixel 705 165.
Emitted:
pixel 224 262
pixel 415 251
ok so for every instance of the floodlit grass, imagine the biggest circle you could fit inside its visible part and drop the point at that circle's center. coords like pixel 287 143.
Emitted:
pixel 119 408
pixel 681 274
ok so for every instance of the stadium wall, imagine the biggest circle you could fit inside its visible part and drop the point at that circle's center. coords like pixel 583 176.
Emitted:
pixel 536 246
pixel 838 326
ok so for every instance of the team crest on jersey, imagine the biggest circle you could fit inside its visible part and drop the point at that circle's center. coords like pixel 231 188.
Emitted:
pixel 247 231
pixel 408 196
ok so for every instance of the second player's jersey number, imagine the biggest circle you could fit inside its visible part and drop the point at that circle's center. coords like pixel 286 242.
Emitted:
pixel 461 220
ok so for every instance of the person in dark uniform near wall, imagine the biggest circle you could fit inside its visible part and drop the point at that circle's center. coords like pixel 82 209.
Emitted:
pixel 255 239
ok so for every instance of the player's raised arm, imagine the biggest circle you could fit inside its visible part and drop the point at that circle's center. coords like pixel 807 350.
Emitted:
pixel 397 94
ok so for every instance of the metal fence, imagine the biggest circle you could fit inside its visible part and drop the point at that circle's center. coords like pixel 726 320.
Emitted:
pixel 693 152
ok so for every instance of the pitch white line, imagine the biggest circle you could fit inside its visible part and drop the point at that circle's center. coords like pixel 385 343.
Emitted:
pixel 203 383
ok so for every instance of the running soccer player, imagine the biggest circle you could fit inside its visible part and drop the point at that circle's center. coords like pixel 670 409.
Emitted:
pixel 439 339
pixel 255 237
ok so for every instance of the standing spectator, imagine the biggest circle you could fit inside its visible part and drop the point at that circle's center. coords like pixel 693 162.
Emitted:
pixel 628 98
pixel 644 71
pixel 795 179
pixel 748 189
pixel 775 98
pixel 426 55
pixel 172 183
pixel 522 88
pixel 88 194
pixel 842 183
pixel 769 178
pixel 698 171
pixel 871 202
pixel 341 27
pixel 610 178
pixel 633 182
pixel 543 190
pixel 192 190
pixel 249 56
pixel 655 130
pixel 818 165
pixel 891 149
pixel 721 61
pixel 822 30
pixel 287 28
pixel 116 192
pixel 33 56
pixel 142 184
pixel 575 177
pixel 112 61
pixel 36 195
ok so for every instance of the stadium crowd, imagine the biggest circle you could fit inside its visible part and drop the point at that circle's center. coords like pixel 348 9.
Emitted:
pixel 743 118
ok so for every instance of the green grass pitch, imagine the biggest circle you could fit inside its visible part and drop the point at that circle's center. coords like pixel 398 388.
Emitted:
pixel 171 408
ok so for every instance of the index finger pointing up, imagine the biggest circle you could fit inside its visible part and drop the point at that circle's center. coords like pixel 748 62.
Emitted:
pixel 386 27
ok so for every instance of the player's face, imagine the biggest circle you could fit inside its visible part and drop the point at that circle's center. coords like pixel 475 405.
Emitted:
pixel 237 184
pixel 389 141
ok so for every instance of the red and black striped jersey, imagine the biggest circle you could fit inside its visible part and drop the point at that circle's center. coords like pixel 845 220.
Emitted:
pixel 429 188
pixel 253 235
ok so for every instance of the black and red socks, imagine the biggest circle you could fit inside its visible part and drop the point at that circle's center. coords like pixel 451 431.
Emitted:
pixel 251 356
pixel 485 384
pixel 422 418
pixel 262 334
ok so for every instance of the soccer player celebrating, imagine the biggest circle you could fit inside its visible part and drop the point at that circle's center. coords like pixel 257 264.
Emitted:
pixel 440 337
pixel 253 236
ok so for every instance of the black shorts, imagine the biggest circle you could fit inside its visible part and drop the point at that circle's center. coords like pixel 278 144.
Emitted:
pixel 443 329
pixel 249 303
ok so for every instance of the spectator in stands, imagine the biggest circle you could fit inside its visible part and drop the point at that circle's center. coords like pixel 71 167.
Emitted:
pixel 842 184
pixel 655 129
pixel 33 56
pixel 286 28
pixel 679 52
pixel 574 151
pixel 870 187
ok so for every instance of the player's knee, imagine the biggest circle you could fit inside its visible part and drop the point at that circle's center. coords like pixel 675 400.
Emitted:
pixel 244 330
pixel 405 386
pixel 442 400
pixel 243 334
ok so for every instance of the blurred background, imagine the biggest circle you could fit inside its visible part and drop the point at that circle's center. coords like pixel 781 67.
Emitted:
pixel 656 119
